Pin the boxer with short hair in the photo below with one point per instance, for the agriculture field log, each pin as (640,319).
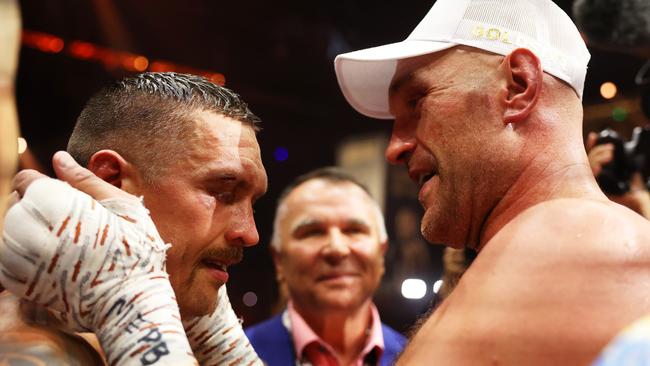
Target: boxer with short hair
(188,148)
(486,101)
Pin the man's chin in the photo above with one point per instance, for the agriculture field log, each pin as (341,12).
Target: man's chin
(196,303)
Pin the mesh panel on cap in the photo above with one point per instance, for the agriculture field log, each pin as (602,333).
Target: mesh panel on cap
(501,26)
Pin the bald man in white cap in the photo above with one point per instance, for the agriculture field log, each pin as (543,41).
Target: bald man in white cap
(486,101)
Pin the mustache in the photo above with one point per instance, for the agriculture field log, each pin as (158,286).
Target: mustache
(230,254)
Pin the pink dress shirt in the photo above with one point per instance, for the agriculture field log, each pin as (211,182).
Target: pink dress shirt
(306,342)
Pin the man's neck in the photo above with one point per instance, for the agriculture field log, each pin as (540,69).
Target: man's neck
(541,181)
(346,331)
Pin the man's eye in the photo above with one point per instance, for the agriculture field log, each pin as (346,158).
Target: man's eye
(309,233)
(354,230)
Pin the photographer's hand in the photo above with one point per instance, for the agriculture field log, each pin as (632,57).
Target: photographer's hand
(598,155)
(638,198)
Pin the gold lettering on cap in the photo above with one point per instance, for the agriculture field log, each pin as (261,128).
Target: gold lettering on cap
(478,32)
(493,34)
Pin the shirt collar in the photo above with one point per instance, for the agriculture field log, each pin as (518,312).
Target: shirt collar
(303,335)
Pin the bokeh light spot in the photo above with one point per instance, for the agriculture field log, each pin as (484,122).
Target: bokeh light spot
(619,114)
(22,145)
(281,154)
(608,90)
(249,299)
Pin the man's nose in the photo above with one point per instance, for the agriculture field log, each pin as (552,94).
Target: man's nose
(399,148)
(242,230)
(337,245)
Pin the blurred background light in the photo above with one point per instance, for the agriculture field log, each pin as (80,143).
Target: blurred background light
(608,90)
(414,288)
(281,154)
(619,114)
(436,286)
(22,145)
(249,299)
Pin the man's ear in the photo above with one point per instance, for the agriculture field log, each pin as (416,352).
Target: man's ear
(110,167)
(525,77)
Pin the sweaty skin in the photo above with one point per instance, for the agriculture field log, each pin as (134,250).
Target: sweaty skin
(232,176)
(560,269)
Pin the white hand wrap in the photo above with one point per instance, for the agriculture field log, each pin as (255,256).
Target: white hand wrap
(218,339)
(103,270)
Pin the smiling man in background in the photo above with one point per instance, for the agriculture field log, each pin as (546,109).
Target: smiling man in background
(328,246)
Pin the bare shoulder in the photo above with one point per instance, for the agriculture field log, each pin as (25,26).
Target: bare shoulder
(553,286)
(23,342)
(590,227)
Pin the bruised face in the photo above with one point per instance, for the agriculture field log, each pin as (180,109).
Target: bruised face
(331,252)
(203,206)
(449,133)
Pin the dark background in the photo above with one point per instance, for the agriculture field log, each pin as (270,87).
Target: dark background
(279,56)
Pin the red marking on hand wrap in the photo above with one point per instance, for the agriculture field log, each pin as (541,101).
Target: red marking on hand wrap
(231,347)
(77,231)
(104,234)
(170,332)
(53,263)
(77,267)
(96,239)
(31,288)
(126,246)
(95,282)
(139,350)
(129,219)
(65,301)
(209,350)
(135,298)
(135,264)
(63,225)
(152,325)
(202,337)
(154,309)
(235,362)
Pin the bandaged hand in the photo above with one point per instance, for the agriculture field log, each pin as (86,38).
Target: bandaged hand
(218,338)
(102,266)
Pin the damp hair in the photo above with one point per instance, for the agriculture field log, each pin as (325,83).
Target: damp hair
(149,118)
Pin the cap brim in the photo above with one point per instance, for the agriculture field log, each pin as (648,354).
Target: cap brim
(365,75)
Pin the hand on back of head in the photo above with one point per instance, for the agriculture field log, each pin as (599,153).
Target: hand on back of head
(100,264)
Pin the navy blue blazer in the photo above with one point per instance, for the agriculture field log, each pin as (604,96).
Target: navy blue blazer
(273,343)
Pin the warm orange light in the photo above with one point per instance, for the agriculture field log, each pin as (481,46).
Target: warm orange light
(217,78)
(608,90)
(159,66)
(82,50)
(140,63)
(56,45)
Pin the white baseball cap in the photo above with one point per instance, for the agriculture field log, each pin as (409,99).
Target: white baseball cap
(498,26)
